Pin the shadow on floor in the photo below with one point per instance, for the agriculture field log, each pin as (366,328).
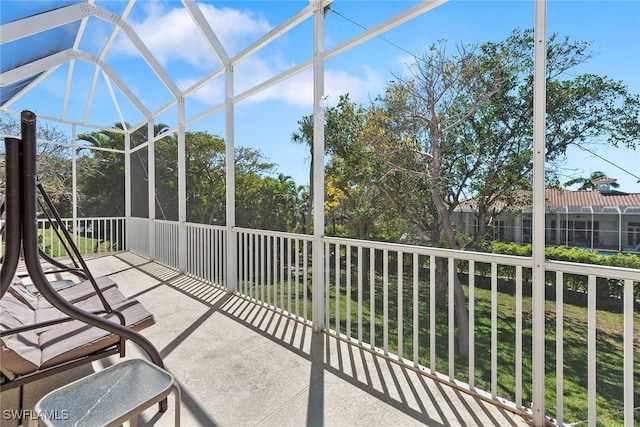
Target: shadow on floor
(410,392)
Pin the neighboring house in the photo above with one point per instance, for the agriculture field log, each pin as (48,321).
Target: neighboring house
(599,219)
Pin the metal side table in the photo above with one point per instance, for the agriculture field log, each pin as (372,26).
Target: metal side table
(109,397)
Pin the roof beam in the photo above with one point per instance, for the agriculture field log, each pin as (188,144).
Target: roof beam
(207,32)
(273,80)
(76,43)
(145,52)
(199,84)
(25,27)
(70,122)
(114,100)
(67,91)
(27,88)
(31,69)
(275,33)
(59,58)
(390,23)
(35,24)
(103,53)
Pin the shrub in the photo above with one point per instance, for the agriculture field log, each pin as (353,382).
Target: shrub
(605,287)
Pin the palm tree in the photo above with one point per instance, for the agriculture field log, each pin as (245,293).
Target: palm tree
(342,123)
(101,178)
(590,183)
(103,183)
(305,136)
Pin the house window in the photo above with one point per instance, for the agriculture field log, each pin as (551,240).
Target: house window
(475,226)
(500,230)
(526,230)
(580,231)
(567,231)
(633,233)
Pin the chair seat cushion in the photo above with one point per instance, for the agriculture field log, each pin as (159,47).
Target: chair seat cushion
(19,353)
(20,291)
(76,339)
(48,346)
(79,292)
(90,304)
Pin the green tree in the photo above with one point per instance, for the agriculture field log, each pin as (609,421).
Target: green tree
(279,203)
(352,168)
(589,183)
(166,176)
(101,177)
(463,122)
(349,168)
(205,161)
(304,135)
(264,201)
(53,161)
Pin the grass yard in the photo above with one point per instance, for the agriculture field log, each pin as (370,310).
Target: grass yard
(609,354)
(50,242)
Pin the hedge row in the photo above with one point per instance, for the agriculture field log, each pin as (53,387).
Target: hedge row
(562,253)
(605,287)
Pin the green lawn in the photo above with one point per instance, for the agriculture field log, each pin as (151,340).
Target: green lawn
(609,355)
(50,242)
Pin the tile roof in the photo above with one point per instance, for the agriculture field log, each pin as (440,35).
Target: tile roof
(557,198)
(561,198)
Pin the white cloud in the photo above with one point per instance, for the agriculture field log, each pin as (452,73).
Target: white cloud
(297,90)
(171,34)
(360,88)
(405,63)
(210,94)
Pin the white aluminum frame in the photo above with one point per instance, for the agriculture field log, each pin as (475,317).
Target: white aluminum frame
(316,8)
(538,217)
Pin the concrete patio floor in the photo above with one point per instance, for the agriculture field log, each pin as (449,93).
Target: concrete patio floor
(241,364)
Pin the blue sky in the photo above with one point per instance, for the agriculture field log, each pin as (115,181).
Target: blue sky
(267,120)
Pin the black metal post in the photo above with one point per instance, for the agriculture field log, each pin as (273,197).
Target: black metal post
(13,230)
(28,183)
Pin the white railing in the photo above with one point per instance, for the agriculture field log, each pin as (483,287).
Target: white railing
(208,242)
(275,268)
(166,243)
(91,235)
(621,362)
(138,232)
(382,296)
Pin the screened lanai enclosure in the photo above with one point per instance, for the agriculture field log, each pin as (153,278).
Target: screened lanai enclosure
(212,138)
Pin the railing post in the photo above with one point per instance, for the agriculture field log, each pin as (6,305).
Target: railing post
(538,222)
(182,190)
(74,182)
(628,342)
(151,172)
(231,264)
(127,190)
(318,165)
(619,229)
